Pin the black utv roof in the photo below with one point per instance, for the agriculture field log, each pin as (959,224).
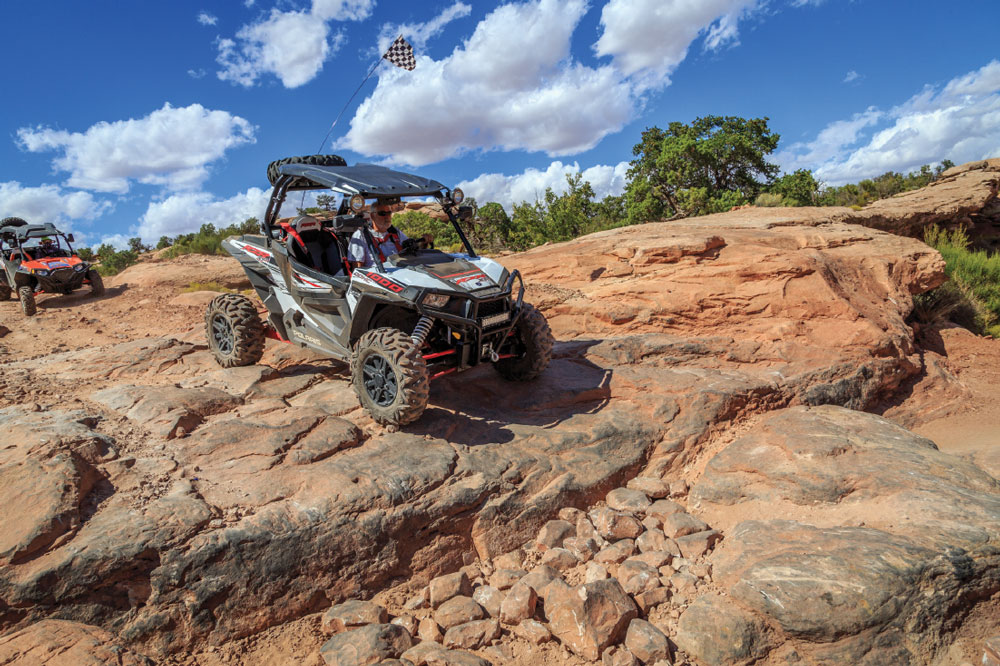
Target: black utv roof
(368,180)
(30,230)
(37,231)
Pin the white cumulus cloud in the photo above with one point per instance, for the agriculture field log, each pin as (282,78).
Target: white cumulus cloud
(648,39)
(342,10)
(171,147)
(418,34)
(513,85)
(530,185)
(851,76)
(205,18)
(291,45)
(959,121)
(50,203)
(185,212)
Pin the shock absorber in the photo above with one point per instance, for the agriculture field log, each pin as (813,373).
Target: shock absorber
(421,330)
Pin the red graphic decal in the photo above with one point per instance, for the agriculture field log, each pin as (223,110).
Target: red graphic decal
(266,256)
(308,282)
(471,277)
(444,277)
(383,281)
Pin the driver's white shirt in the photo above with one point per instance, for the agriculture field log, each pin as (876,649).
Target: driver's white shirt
(357,249)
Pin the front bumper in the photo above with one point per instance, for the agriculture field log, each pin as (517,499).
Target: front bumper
(484,328)
(61,279)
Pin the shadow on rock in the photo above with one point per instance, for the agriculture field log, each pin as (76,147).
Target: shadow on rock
(480,407)
(77,298)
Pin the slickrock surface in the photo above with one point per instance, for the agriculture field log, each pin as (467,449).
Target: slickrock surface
(191,512)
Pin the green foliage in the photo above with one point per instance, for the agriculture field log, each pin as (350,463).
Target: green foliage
(976,274)
(165,241)
(327,202)
(415,224)
(208,239)
(137,246)
(114,261)
(888,184)
(702,167)
(559,217)
(491,228)
(85,253)
(799,188)
(769,200)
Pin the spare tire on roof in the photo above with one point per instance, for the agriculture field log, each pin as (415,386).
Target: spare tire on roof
(12,222)
(315,160)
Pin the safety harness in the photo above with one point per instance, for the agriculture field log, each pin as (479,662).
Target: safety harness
(391,234)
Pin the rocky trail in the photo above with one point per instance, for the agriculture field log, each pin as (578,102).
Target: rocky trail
(742,453)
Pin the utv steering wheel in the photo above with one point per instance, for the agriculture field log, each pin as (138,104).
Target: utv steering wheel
(410,246)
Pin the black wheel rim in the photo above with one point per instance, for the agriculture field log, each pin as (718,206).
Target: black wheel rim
(222,334)
(379,380)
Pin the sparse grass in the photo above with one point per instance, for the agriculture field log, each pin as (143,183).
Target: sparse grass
(207,286)
(976,278)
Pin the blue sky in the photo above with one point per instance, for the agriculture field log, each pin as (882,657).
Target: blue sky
(144,118)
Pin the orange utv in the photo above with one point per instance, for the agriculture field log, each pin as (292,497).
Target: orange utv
(39,259)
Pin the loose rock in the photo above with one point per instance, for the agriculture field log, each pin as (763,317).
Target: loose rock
(458,610)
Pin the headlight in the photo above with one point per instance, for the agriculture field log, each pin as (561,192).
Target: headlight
(40,271)
(79,267)
(436,300)
(357,203)
(458,196)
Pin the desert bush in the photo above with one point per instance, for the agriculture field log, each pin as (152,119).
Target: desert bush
(769,200)
(208,239)
(976,273)
(114,261)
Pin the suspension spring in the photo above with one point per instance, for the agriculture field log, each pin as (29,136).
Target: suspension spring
(421,330)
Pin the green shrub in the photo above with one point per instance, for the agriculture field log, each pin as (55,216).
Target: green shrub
(114,261)
(415,224)
(208,239)
(976,273)
(769,200)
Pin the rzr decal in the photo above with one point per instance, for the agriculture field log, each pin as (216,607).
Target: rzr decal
(382,281)
(262,256)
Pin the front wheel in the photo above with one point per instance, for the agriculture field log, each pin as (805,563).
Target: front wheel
(234,330)
(533,347)
(96,283)
(27,297)
(390,376)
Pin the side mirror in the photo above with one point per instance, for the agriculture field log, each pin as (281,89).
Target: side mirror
(70,238)
(465,213)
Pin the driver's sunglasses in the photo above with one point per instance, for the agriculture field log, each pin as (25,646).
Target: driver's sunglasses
(382,213)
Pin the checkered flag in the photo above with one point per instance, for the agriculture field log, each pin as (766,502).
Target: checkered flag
(400,54)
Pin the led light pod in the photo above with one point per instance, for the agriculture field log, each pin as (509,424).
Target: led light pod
(357,203)
(457,195)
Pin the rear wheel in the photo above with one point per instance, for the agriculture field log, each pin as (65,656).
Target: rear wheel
(27,296)
(96,283)
(390,376)
(534,338)
(234,330)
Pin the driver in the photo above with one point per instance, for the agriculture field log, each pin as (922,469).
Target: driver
(388,239)
(48,248)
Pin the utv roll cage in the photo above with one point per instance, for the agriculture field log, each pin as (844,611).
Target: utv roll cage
(368,180)
(17,235)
